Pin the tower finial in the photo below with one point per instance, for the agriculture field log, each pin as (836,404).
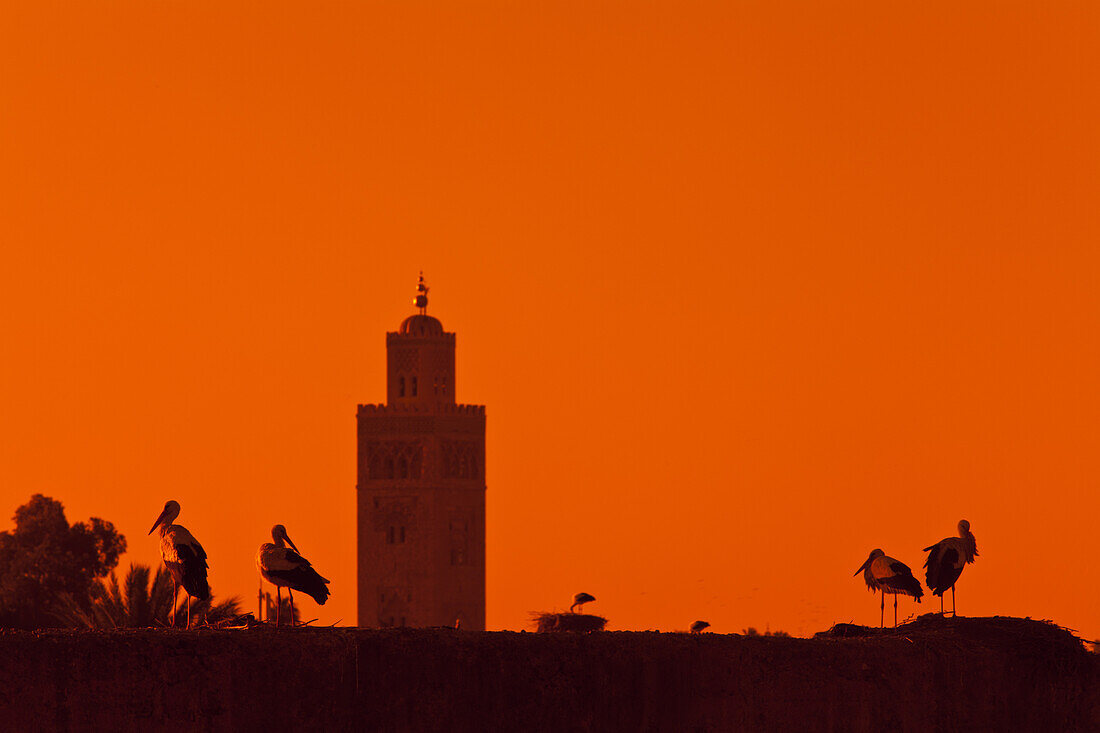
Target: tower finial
(421,299)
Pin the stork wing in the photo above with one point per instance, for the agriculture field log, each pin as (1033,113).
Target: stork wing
(191,553)
(934,552)
(901,568)
(293,557)
(200,553)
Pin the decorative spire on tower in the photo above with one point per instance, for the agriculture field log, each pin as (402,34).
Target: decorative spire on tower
(421,299)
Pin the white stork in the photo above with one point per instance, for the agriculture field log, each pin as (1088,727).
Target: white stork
(946,560)
(698,626)
(580,599)
(184,558)
(285,567)
(883,573)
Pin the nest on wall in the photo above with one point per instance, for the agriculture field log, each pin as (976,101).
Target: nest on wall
(581,623)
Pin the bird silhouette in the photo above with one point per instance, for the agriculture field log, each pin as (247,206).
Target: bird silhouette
(580,599)
(885,574)
(946,560)
(284,567)
(183,556)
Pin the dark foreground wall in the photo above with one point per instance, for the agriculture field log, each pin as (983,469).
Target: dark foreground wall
(966,674)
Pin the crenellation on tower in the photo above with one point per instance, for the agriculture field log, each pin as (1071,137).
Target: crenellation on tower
(378,408)
(421,487)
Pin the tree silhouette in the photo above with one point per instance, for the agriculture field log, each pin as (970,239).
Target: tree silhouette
(44,560)
(137,602)
(751,631)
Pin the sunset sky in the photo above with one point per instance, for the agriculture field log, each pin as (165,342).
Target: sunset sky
(748,288)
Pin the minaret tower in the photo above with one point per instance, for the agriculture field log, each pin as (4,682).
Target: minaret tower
(421,487)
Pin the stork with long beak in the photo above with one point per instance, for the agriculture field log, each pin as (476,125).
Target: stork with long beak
(883,573)
(283,567)
(184,558)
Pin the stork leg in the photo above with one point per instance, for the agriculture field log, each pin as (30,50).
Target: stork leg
(175,592)
(941,604)
(278,604)
(188,609)
(291,594)
(895,610)
(882,611)
(953,614)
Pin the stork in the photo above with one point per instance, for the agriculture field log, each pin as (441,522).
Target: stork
(184,558)
(580,599)
(698,626)
(285,567)
(883,573)
(946,560)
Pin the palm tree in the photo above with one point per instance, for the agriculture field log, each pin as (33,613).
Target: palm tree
(283,612)
(138,603)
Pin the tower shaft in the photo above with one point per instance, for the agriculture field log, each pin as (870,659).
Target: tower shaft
(421,490)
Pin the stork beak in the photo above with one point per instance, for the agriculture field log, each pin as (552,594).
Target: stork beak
(290,542)
(861,568)
(159,520)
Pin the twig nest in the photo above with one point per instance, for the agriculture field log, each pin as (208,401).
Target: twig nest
(581,623)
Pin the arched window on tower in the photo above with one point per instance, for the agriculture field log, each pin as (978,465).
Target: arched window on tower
(400,386)
(387,467)
(414,386)
(443,385)
(402,467)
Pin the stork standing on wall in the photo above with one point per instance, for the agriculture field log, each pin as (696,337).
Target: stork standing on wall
(184,558)
(283,567)
(580,599)
(946,560)
(883,573)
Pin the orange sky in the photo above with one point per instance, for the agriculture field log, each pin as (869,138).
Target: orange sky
(748,288)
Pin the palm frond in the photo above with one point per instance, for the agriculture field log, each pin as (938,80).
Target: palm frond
(138,602)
